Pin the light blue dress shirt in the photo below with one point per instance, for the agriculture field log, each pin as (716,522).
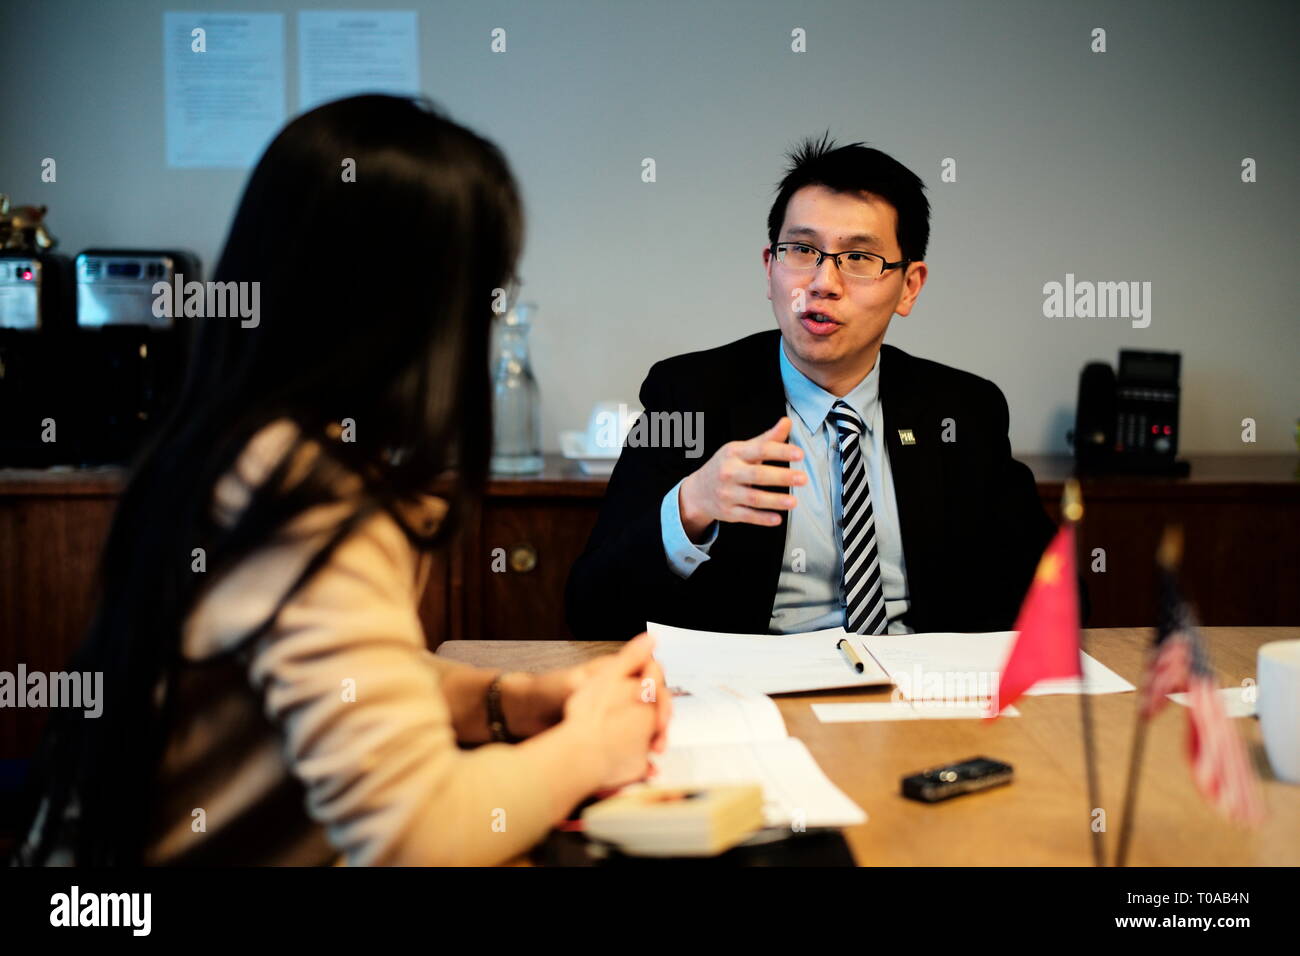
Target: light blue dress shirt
(810,591)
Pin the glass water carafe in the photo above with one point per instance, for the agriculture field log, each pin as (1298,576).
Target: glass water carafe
(516,401)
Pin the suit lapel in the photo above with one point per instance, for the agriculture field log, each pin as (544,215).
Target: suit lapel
(915,466)
(759,550)
(758,409)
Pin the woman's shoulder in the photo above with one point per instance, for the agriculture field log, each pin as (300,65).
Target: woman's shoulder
(265,450)
(377,551)
(255,463)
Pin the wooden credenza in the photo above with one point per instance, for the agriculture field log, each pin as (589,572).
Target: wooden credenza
(1240,515)
(1241,519)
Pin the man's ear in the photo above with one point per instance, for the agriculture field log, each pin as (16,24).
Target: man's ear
(913,280)
(767,268)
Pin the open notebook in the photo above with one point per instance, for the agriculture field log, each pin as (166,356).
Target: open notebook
(763,663)
(720,736)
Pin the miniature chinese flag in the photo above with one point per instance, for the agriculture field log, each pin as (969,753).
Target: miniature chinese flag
(1047,645)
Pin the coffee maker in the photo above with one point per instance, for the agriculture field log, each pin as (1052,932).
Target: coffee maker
(88,367)
(128,355)
(37,321)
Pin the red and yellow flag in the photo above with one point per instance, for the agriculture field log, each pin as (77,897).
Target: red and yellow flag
(1047,645)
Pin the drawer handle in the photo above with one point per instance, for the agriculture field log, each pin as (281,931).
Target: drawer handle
(523,558)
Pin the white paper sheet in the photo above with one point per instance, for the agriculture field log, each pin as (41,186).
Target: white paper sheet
(969,666)
(761,663)
(224,104)
(795,790)
(1235,703)
(852,713)
(717,716)
(345,52)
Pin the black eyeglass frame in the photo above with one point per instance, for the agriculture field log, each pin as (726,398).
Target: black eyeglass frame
(885,264)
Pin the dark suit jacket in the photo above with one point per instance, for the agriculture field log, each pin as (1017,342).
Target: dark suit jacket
(972,524)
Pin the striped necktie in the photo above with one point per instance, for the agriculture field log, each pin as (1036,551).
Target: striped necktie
(864,593)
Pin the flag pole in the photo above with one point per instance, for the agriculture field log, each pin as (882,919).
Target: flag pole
(1169,555)
(1072,511)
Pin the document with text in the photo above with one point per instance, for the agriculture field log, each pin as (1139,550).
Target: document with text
(948,666)
(889,710)
(764,663)
(726,737)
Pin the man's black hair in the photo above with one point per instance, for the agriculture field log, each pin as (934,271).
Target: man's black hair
(853,168)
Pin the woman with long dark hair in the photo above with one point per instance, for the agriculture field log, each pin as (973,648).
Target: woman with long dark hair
(268,696)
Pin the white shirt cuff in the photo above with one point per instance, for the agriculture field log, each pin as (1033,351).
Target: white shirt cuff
(684,556)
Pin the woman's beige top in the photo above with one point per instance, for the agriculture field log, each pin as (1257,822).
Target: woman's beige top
(329,739)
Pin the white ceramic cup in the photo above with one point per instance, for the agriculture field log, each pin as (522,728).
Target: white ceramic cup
(607,427)
(1278,706)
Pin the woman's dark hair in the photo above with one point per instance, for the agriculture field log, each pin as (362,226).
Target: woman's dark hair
(855,168)
(379,232)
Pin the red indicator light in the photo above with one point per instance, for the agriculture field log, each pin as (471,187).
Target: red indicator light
(25,275)
(1155,429)
(1169,430)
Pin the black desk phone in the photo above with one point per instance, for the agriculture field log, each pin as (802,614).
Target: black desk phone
(1128,423)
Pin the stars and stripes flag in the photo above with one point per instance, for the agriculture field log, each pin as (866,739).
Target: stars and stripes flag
(1180,662)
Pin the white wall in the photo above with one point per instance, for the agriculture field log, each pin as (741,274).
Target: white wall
(1115,166)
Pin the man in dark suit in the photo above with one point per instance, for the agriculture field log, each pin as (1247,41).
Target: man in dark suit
(883,499)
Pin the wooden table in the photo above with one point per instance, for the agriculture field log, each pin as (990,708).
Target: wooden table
(1042,819)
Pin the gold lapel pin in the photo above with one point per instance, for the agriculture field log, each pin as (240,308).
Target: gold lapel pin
(906,437)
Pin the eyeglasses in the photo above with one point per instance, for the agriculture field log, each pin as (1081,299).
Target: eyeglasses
(802,257)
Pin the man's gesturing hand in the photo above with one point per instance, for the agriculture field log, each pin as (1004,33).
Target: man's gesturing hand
(722,489)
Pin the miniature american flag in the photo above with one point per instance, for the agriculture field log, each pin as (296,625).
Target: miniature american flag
(1181,662)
